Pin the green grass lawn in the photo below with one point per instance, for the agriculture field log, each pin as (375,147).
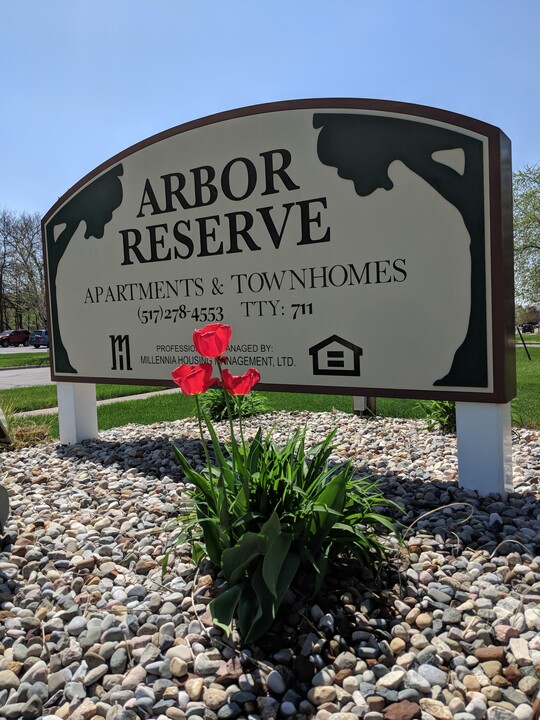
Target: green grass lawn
(525,407)
(38,397)
(529,338)
(23,358)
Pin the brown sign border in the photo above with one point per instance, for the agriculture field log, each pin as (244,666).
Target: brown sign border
(501,242)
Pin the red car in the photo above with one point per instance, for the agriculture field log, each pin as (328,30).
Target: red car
(14,337)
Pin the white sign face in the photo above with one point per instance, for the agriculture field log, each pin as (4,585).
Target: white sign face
(350,249)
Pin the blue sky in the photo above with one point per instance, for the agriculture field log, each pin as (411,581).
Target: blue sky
(84,79)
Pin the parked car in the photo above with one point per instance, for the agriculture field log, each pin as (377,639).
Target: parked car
(14,337)
(38,338)
(528,328)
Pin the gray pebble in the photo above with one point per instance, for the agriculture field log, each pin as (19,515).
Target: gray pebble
(77,625)
(74,691)
(276,683)
(287,709)
(433,675)
(118,661)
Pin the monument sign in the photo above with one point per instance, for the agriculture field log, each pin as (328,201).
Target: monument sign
(355,246)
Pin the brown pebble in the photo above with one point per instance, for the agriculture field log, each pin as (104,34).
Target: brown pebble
(397,645)
(174,713)
(170,693)
(14,666)
(512,674)
(471,682)
(206,618)
(205,581)
(214,698)
(492,652)
(503,633)
(492,668)
(500,681)
(375,703)
(404,710)
(342,674)
(320,695)
(492,693)
(334,648)
(435,708)
(19,550)
(81,563)
(412,615)
(423,621)
(144,566)
(229,672)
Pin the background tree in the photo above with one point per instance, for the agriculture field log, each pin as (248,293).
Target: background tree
(527,233)
(22,287)
(527,314)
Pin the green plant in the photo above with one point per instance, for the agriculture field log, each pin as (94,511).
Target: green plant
(5,421)
(272,516)
(214,404)
(17,435)
(440,415)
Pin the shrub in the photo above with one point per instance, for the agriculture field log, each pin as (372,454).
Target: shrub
(214,404)
(440,415)
(21,432)
(5,419)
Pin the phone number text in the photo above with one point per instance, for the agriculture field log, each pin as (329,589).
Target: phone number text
(177,314)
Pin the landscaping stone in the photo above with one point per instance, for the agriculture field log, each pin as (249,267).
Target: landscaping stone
(91,629)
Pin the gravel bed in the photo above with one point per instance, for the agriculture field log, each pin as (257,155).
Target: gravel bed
(91,629)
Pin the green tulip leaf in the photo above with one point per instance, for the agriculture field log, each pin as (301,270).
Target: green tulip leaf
(200,482)
(212,539)
(249,611)
(273,561)
(255,625)
(236,560)
(223,607)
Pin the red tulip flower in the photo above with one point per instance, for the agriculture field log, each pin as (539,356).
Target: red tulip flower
(212,340)
(194,379)
(240,384)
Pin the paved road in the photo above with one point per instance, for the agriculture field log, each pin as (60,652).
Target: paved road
(18,377)
(24,377)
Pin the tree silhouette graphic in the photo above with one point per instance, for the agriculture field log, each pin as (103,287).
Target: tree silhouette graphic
(362,147)
(94,205)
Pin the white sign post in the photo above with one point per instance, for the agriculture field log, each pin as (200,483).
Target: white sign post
(355,246)
(484,442)
(77,412)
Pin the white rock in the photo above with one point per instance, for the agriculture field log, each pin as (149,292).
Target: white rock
(392,680)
